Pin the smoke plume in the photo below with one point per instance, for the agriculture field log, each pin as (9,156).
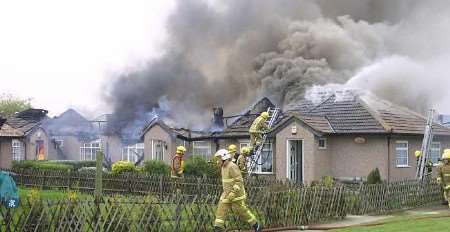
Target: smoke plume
(230,53)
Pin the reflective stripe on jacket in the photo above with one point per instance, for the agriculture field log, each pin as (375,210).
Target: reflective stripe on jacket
(233,184)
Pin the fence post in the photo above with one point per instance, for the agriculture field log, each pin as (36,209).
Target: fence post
(161,191)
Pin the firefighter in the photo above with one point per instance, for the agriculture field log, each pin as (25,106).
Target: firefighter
(258,128)
(242,160)
(443,176)
(232,149)
(233,196)
(178,163)
(428,164)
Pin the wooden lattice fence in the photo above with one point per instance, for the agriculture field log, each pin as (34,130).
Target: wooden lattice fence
(172,212)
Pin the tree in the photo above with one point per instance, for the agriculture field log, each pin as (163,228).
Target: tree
(10,104)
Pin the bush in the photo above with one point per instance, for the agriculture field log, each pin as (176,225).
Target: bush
(156,167)
(121,167)
(52,164)
(374,177)
(198,166)
(42,165)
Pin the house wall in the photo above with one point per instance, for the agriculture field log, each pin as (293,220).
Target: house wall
(113,145)
(414,143)
(351,159)
(280,152)
(322,159)
(30,145)
(5,152)
(158,133)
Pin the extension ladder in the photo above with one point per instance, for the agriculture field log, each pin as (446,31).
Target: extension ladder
(273,116)
(426,146)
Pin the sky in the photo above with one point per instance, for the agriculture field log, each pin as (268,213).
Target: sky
(61,53)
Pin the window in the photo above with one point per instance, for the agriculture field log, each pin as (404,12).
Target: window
(89,150)
(322,143)
(59,143)
(133,152)
(202,148)
(265,159)
(401,153)
(435,152)
(158,147)
(17,150)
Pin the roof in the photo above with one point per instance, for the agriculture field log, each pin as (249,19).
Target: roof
(241,125)
(352,112)
(69,123)
(8,131)
(27,120)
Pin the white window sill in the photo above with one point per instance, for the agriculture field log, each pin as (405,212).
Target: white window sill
(262,173)
(322,148)
(403,166)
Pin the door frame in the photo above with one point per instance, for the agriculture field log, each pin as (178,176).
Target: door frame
(303,158)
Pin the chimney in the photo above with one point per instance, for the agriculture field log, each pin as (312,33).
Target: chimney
(218,118)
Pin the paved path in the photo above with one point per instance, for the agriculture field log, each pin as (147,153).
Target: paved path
(352,220)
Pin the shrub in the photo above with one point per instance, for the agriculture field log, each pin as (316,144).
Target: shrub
(52,164)
(156,167)
(121,167)
(198,166)
(328,181)
(374,177)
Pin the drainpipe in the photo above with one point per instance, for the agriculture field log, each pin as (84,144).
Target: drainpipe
(389,157)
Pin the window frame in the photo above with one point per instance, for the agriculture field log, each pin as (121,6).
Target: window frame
(438,152)
(208,154)
(154,155)
(127,152)
(325,142)
(91,148)
(20,147)
(402,149)
(259,167)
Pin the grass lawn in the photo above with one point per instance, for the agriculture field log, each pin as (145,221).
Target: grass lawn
(46,194)
(407,223)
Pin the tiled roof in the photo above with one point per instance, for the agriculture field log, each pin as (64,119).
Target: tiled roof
(27,120)
(8,131)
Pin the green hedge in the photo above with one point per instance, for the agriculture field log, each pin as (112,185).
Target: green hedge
(199,166)
(52,165)
(156,168)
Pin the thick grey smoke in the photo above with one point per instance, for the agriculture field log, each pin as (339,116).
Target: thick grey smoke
(231,52)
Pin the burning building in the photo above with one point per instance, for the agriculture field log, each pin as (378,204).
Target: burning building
(345,135)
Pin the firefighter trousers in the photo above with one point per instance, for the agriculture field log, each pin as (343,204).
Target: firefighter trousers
(238,207)
(447,196)
(255,139)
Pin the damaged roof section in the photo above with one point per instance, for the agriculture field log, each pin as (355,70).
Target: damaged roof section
(7,131)
(27,120)
(71,123)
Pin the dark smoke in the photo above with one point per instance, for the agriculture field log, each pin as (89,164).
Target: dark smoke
(231,52)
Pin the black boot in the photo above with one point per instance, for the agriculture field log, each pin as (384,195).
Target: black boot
(218,229)
(257,227)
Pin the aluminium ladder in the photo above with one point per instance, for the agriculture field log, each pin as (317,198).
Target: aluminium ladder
(273,116)
(426,147)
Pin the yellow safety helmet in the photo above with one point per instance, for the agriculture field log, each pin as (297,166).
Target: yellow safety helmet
(265,115)
(232,148)
(418,154)
(446,154)
(181,150)
(245,151)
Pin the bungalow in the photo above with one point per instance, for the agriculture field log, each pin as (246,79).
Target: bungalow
(344,135)
(22,138)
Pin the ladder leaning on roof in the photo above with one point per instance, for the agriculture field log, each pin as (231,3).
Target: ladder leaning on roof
(426,147)
(273,116)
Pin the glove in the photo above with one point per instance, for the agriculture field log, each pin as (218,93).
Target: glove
(231,196)
(439,180)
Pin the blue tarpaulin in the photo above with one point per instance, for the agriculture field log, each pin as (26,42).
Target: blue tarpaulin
(9,195)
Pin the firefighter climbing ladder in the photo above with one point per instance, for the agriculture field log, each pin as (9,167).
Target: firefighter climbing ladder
(426,146)
(273,115)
